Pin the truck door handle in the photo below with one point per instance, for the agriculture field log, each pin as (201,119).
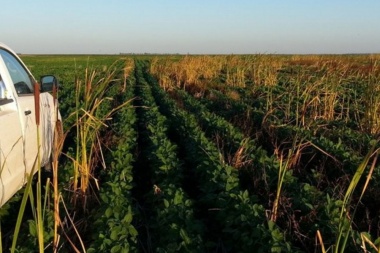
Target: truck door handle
(28,112)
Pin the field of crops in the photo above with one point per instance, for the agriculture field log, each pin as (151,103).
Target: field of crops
(256,153)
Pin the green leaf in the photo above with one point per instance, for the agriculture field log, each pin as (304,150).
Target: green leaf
(271,225)
(184,236)
(178,197)
(116,249)
(108,212)
(132,231)
(245,195)
(32,228)
(377,241)
(128,218)
(114,235)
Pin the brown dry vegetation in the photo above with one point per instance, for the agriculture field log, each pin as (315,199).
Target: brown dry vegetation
(320,81)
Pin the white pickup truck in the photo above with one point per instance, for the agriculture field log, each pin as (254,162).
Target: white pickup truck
(25,109)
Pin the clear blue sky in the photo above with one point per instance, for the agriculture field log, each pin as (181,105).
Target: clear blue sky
(191,26)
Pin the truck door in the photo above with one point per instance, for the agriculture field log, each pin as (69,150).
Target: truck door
(11,146)
(20,123)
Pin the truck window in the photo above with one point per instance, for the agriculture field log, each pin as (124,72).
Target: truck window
(20,77)
(2,89)
(3,93)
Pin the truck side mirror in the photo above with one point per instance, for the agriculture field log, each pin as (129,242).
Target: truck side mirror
(48,83)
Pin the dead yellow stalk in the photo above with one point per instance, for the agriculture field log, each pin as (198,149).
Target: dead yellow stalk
(320,240)
(58,141)
(129,66)
(57,149)
(285,164)
(283,168)
(366,240)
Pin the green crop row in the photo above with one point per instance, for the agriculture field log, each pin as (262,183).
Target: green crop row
(170,219)
(112,228)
